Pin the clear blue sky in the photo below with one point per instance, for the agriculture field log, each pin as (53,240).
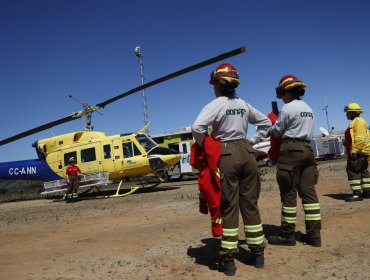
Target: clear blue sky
(50,49)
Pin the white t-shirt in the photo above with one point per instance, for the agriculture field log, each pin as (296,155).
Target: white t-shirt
(296,120)
(229,120)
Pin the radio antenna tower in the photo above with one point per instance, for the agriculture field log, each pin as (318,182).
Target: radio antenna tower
(327,117)
(139,55)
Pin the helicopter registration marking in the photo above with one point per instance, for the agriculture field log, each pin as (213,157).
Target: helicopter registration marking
(22,171)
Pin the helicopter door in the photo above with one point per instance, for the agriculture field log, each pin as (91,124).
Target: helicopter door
(107,161)
(134,163)
(90,158)
(184,149)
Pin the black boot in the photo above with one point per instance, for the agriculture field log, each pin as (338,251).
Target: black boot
(313,241)
(355,197)
(257,259)
(74,198)
(366,194)
(283,239)
(228,268)
(68,198)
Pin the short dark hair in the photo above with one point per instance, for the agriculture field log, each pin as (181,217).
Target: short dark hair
(228,89)
(296,91)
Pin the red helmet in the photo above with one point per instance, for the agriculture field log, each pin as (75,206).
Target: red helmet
(225,72)
(288,82)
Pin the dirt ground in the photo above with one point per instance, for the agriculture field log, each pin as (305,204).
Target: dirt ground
(161,235)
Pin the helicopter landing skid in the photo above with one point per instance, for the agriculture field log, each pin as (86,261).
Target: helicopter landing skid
(150,187)
(117,194)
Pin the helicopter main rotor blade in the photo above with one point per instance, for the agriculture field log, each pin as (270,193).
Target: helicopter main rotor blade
(173,75)
(90,110)
(41,128)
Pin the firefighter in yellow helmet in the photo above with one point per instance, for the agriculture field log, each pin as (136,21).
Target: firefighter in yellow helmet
(296,168)
(357,141)
(229,116)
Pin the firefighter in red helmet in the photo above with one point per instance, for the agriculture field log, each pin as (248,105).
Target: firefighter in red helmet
(228,116)
(225,73)
(296,168)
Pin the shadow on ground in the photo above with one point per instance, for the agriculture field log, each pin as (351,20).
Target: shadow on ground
(338,196)
(207,254)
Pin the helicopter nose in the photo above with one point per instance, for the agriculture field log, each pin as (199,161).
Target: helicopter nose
(171,159)
(160,158)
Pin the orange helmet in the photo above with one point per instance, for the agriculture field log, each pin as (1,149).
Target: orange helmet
(225,73)
(288,82)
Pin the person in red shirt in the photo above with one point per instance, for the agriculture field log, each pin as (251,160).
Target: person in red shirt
(72,172)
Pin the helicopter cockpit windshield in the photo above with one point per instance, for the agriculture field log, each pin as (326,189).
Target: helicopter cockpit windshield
(146,142)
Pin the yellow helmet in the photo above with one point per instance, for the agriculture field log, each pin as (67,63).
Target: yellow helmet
(72,159)
(353,107)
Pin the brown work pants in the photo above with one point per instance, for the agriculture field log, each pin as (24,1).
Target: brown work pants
(297,173)
(358,174)
(73,183)
(240,191)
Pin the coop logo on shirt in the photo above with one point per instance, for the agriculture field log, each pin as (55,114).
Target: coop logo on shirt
(306,115)
(233,112)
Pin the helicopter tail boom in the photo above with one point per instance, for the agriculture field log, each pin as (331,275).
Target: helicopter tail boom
(33,169)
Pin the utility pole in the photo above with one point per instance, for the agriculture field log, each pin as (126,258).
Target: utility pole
(327,117)
(139,55)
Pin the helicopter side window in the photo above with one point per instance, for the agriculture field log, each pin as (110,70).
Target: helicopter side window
(130,150)
(88,155)
(107,151)
(136,150)
(67,156)
(127,149)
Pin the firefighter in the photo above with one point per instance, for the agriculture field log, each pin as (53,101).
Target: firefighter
(228,116)
(72,172)
(357,141)
(296,167)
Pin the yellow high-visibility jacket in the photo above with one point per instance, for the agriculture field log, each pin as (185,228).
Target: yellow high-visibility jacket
(360,136)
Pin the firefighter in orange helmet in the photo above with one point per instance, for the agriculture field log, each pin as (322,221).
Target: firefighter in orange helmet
(357,141)
(296,167)
(228,116)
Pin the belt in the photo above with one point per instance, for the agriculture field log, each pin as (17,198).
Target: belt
(295,140)
(234,140)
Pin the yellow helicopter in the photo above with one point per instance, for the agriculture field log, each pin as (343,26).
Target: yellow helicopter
(100,157)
